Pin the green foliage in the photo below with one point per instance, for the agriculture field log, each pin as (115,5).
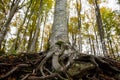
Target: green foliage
(73,25)
(110,24)
(110,21)
(47,5)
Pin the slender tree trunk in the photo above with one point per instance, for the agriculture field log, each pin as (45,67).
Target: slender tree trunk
(100,28)
(30,39)
(93,46)
(116,47)
(112,49)
(73,36)
(17,40)
(6,25)
(79,24)
(97,44)
(42,37)
(23,42)
(91,50)
(31,31)
(37,31)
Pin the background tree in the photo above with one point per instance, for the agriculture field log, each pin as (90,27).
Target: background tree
(100,27)
(4,27)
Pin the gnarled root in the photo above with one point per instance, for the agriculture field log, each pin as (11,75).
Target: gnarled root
(40,66)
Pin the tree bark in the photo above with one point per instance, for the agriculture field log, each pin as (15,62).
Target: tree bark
(59,32)
(17,40)
(100,28)
(59,29)
(37,31)
(6,25)
(79,24)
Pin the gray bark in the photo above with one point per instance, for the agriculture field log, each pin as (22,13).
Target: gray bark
(97,44)
(79,25)
(100,28)
(59,29)
(6,25)
(16,43)
(35,37)
(42,36)
(59,32)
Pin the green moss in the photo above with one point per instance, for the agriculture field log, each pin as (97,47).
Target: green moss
(59,43)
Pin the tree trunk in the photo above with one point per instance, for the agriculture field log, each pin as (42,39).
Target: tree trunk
(59,29)
(35,37)
(100,28)
(58,37)
(97,44)
(93,46)
(6,25)
(83,67)
(42,35)
(79,24)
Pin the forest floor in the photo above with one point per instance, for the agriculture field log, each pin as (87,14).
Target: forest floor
(86,67)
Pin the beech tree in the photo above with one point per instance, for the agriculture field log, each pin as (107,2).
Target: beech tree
(61,60)
(100,27)
(59,46)
(59,35)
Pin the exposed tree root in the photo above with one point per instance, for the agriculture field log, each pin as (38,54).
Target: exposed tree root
(40,67)
(43,77)
(25,77)
(13,70)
